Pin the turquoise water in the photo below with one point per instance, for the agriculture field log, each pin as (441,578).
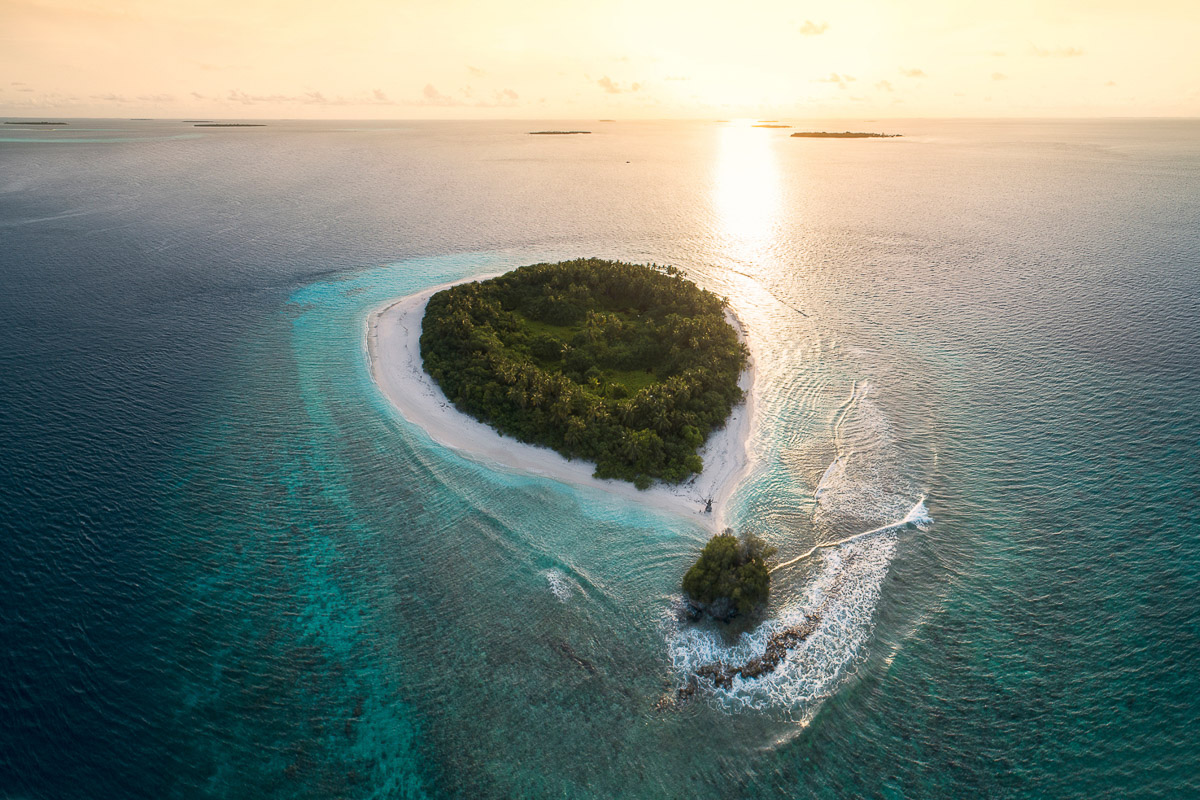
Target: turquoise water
(237,572)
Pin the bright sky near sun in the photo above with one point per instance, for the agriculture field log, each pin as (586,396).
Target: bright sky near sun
(627,58)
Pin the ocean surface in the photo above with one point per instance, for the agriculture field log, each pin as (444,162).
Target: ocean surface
(231,570)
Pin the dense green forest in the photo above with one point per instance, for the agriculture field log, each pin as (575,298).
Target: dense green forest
(625,365)
(731,575)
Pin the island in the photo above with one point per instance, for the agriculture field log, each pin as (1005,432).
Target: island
(230,125)
(557,133)
(627,366)
(36,123)
(730,577)
(844,135)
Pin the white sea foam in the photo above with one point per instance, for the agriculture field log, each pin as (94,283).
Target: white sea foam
(866,481)
(844,594)
(832,475)
(560,584)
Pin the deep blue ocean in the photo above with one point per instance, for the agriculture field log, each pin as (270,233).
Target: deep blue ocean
(231,569)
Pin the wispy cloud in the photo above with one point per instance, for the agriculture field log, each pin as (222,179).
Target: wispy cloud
(113,97)
(840,80)
(913,72)
(999,76)
(430,96)
(885,86)
(1057,52)
(810,28)
(309,98)
(245,98)
(476,71)
(612,87)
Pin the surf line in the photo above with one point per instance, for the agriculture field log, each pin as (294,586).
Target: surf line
(917,515)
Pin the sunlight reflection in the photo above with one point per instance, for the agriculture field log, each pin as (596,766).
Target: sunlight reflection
(746,190)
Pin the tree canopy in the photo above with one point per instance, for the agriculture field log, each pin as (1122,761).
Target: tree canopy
(731,575)
(626,365)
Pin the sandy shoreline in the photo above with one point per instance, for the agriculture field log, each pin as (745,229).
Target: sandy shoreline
(393,348)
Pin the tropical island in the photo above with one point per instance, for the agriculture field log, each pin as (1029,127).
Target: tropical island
(730,577)
(559,133)
(628,366)
(844,135)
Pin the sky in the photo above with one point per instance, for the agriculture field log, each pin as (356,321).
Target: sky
(560,59)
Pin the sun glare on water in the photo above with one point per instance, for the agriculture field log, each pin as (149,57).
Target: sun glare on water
(746,190)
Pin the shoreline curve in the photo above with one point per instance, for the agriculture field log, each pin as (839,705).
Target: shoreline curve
(393,333)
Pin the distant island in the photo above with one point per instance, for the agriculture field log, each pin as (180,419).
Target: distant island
(230,125)
(769,125)
(197,120)
(844,135)
(628,366)
(37,123)
(556,133)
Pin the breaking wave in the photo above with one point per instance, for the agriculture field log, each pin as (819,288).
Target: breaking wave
(829,623)
(560,585)
(843,595)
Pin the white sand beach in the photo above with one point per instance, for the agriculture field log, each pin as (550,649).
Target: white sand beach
(393,347)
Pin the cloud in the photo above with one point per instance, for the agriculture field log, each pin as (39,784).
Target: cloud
(506,98)
(612,87)
(999,76)
(678,78)
(238,96)
(885,86)
(840,80)
(1057,52)
(998,53)
(1111,83)
(913,72)
(430,96)
(810,28)
(110,97)
(309,98)
(476,71)
(156,98)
